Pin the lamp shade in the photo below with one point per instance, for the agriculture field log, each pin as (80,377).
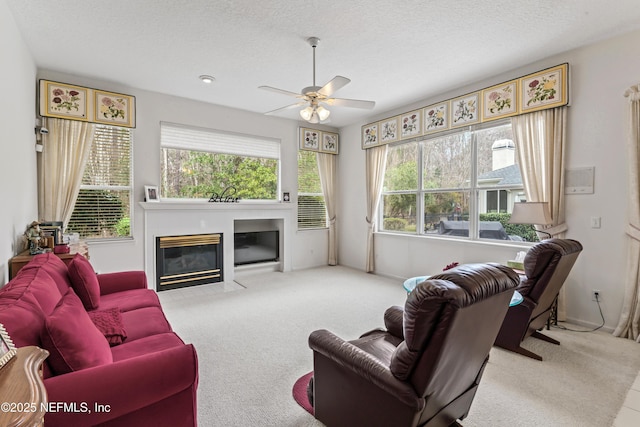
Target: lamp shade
(530,213)
(323,113)
(306,113)
(314,113)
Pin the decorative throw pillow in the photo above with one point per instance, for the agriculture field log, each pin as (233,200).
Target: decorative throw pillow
(109,323)
(85,282)
(72,340)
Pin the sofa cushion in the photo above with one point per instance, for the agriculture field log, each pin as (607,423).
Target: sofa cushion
(109,323)
(146,345)
(144,322)
(85,282)
(54,266)
(73,341)
(36,285)
(22,319)
(132,299)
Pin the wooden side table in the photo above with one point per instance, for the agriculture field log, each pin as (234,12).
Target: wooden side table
(23,398)
(20,260)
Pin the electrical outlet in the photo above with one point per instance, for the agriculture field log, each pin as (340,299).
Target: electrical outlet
(596,295)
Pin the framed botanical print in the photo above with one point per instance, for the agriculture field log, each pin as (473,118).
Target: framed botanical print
(329,142)
(309,139)
(544,89)
(436,117)
(411,124)
(63,101)
(369,135)
(500,101)
(389,130)
(465,110)
(114,109)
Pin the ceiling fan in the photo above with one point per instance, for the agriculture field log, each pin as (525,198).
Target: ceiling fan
(316,96)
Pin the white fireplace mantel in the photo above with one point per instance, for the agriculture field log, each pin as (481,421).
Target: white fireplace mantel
(171,218)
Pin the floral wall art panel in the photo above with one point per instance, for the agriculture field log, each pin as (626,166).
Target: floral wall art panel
(545,89)
(500,101)
(73,102)
(541,90)
(309,139)
(329,143)
(436,117)
(465,110)
(63,101)
(388,130)
(369,135)
(114,109)
(411,124)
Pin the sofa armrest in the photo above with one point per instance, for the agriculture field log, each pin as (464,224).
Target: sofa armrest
(393,321)
(121,281)
(363,364)
(125,386)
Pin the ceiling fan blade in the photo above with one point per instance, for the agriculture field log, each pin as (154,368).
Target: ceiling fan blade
(335,84)
(281,91)
(297,104)
(352,103)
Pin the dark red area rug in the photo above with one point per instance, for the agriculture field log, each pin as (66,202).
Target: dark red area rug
(300,392)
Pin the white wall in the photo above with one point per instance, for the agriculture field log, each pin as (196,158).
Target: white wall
(17,139)
(599,75)
(151,109)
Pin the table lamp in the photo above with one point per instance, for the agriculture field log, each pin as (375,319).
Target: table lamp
(536,213)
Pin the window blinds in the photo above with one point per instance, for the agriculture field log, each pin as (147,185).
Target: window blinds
(103,206)
(312,212)
(183,137)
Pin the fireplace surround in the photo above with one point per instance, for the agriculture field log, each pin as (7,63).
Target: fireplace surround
(188,260)
(169,218)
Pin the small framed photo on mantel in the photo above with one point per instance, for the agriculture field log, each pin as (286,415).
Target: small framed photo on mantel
(151,193)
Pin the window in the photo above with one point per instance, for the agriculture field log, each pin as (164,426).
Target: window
(462,183)
(103,207)
(198,162)
(311,208)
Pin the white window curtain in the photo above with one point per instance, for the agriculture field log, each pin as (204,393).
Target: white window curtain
(327,167)
(629,322)
(540,137)
(376,163)
(64,155)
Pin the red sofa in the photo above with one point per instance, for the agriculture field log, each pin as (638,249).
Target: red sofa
(110,345)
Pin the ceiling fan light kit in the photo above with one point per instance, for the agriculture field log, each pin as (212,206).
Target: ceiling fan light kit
(315,114)
(313,96)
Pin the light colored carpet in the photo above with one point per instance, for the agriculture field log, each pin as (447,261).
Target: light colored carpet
(252,346)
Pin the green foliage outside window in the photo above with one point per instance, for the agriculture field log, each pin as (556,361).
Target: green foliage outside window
(100,214)
(193,174)
(526,231)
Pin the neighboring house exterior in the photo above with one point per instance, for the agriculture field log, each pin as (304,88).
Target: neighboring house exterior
(504,180)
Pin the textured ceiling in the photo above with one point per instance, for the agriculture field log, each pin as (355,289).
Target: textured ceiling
(394,52)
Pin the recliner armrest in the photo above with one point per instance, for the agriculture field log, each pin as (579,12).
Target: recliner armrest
(393,320)
(365,365)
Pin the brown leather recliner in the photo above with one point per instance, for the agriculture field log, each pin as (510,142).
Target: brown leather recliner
(424,369)
(546,267)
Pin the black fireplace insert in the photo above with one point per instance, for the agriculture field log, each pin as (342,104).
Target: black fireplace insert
(188,260)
